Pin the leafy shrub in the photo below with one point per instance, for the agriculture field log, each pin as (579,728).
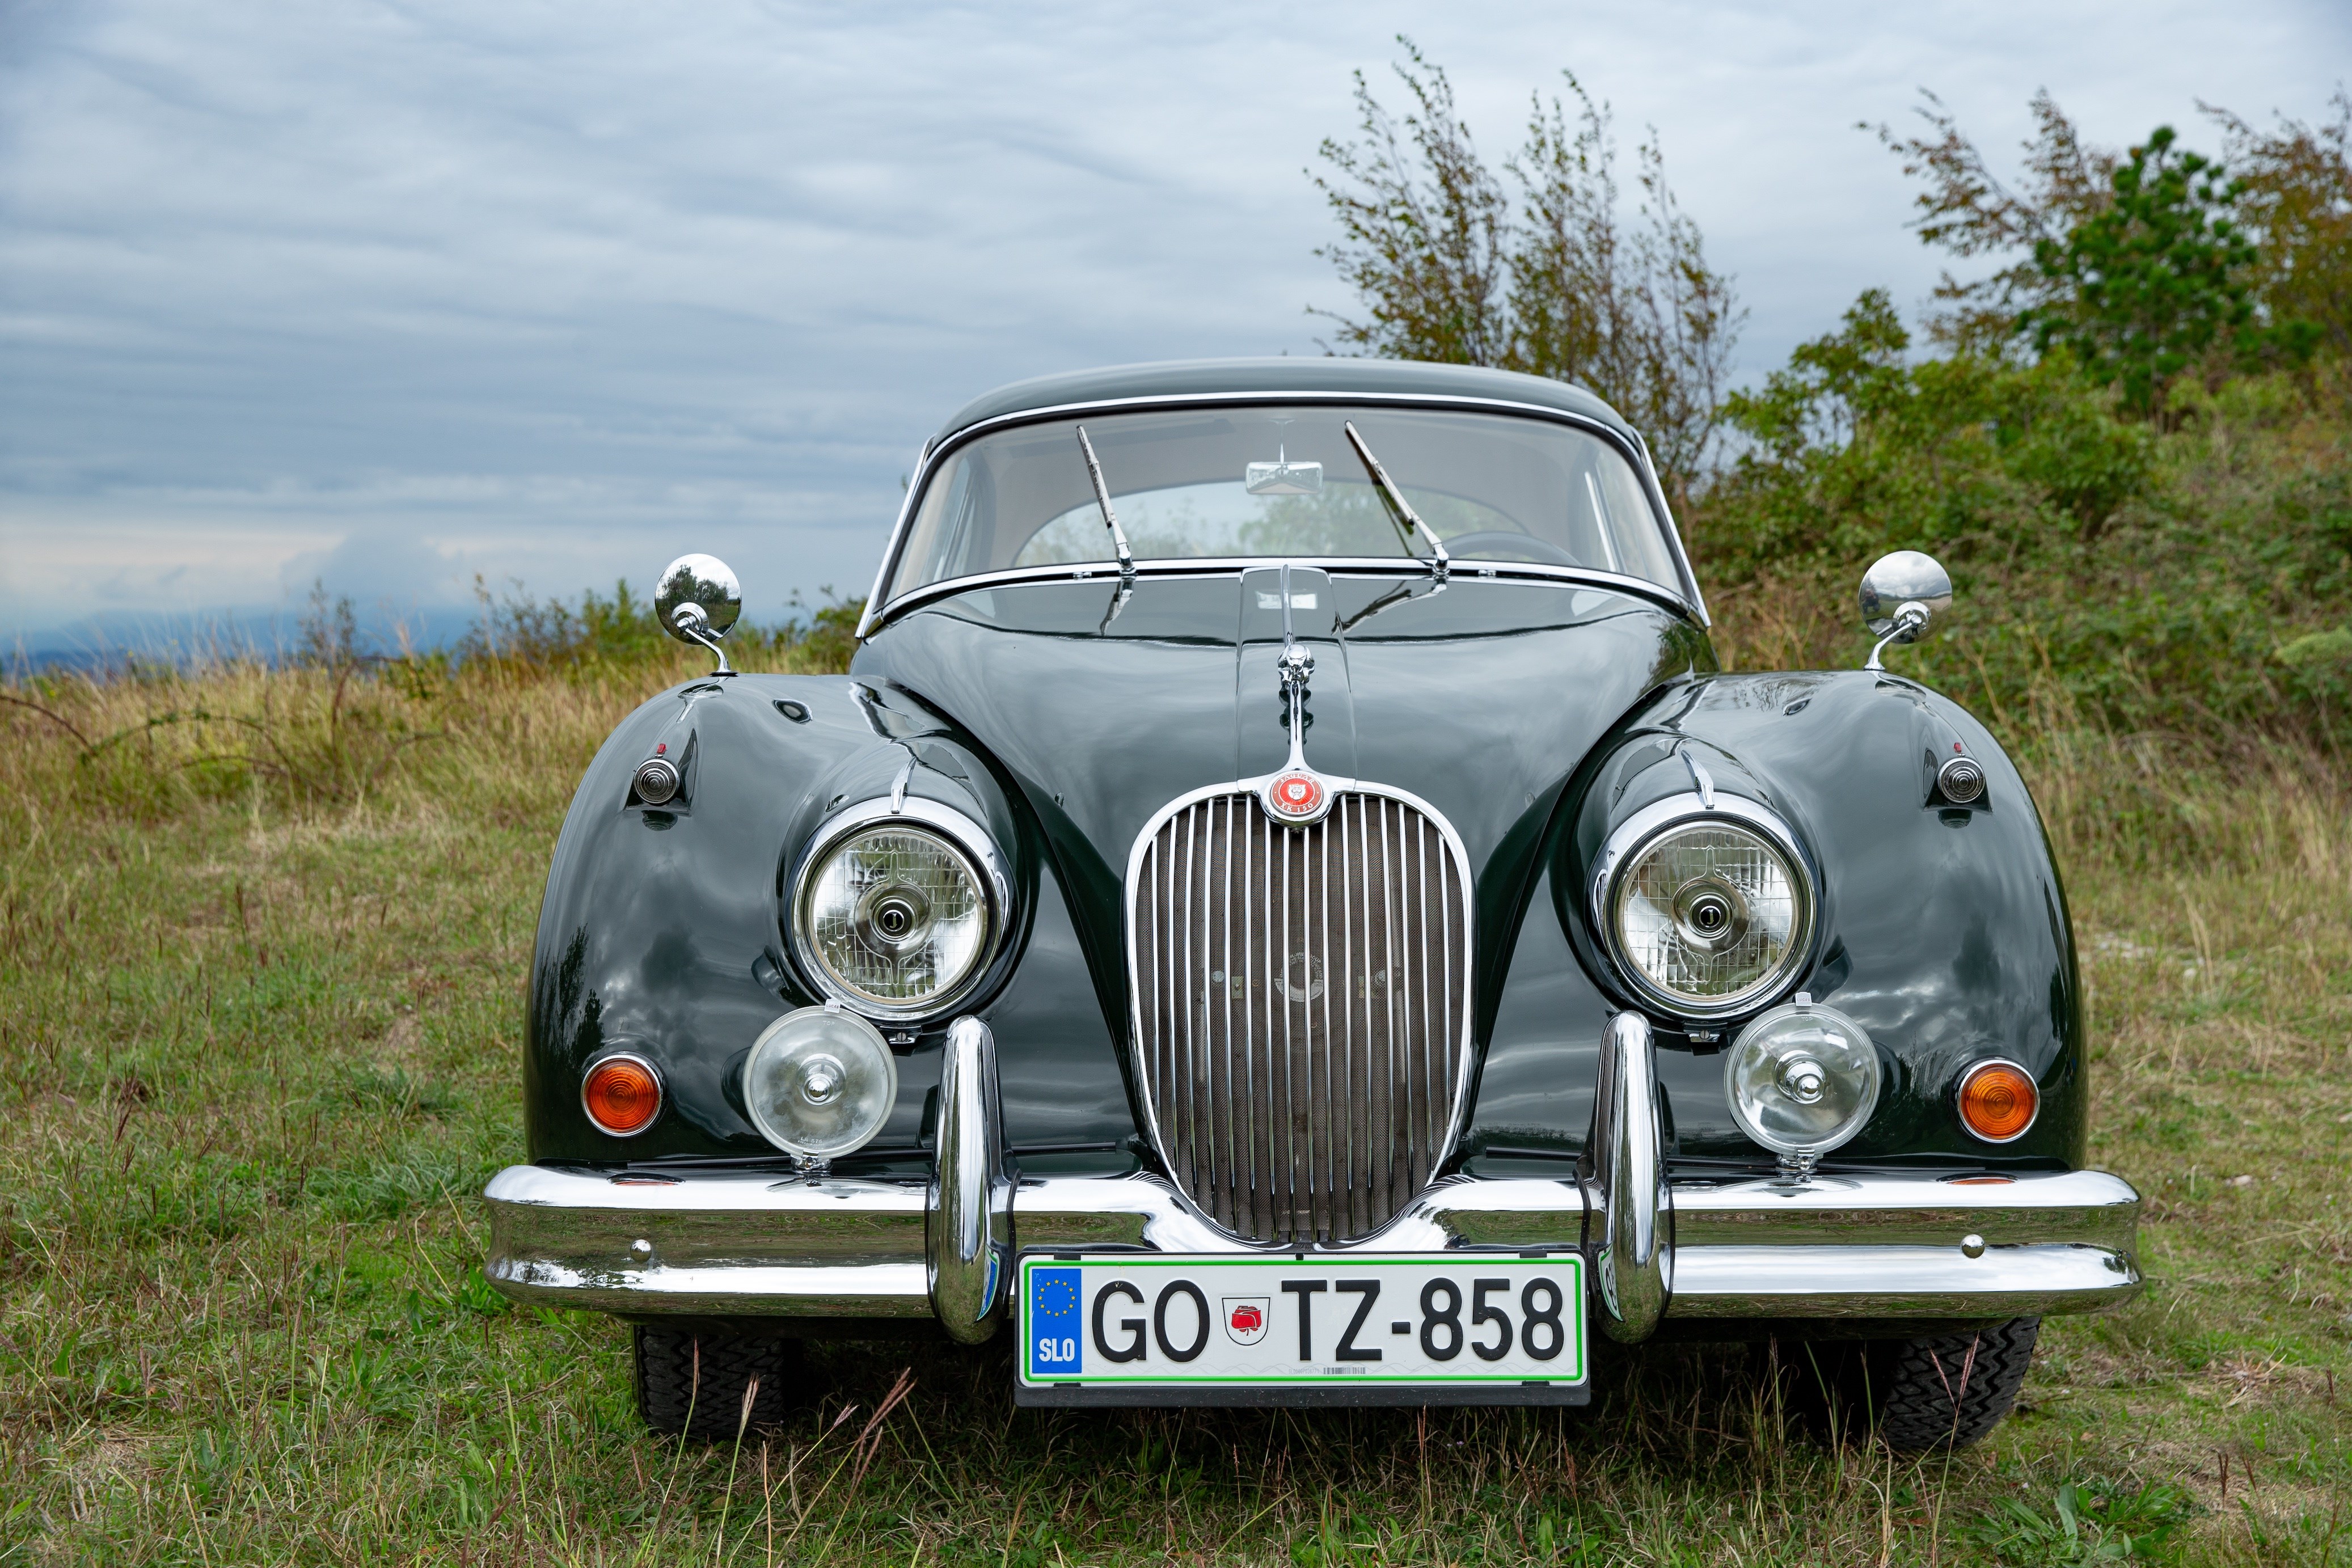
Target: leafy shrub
(2109,571)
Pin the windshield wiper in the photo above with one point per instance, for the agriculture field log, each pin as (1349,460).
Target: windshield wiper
(1407,521)
(1110,518)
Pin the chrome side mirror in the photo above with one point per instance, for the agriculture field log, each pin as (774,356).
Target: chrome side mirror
(696,601)
(1899,592)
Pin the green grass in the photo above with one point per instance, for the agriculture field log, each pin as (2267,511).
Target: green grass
(261,982)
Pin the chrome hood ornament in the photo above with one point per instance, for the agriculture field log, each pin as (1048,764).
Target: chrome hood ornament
(1294,795)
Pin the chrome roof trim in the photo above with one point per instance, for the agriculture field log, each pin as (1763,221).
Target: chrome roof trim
(936,450)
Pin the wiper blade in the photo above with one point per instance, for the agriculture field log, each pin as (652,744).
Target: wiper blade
(1110,518)
(1408,521)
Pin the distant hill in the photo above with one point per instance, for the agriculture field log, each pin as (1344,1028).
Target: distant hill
(111,641)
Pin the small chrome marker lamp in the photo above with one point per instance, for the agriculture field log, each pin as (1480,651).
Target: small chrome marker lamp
(1802,1080)
(819,1083)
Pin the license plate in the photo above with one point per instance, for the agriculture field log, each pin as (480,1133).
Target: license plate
(1453,1328)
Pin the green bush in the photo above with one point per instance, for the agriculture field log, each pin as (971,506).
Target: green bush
(2190,576)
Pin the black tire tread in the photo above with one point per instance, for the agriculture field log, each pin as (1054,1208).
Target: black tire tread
(1947,1391)
(673,1401)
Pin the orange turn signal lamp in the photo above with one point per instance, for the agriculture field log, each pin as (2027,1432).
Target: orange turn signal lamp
(622,1096)
(1999,1101)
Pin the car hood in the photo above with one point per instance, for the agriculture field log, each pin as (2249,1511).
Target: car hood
(1481,697)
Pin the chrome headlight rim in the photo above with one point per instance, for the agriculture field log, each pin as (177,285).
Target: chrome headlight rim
(966,837)
(1623,849)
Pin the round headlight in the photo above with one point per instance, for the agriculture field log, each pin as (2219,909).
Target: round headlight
(1707,912)
(820,1083)
(896,916)
(1801,1078)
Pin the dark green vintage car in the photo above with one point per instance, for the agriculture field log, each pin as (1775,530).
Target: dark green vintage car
(1285,909)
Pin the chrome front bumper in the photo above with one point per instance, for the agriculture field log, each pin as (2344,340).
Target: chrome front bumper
(1882,1246)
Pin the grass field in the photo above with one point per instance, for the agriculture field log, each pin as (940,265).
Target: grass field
(263,940)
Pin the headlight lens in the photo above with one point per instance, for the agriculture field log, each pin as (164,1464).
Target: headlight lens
(1801,1078)
(895,917)
(820,1083)
(1709,915)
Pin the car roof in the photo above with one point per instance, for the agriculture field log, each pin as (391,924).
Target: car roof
(1179,377)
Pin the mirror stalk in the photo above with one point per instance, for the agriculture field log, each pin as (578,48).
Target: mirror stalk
(1909,622)
(1899,593)
(692,621)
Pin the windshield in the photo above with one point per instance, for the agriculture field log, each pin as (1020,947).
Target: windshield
(1285,480)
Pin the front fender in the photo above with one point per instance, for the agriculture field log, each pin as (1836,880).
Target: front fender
(1943,930)
(660,930)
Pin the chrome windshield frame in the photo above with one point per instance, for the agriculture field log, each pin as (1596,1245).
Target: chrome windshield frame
(1688,601)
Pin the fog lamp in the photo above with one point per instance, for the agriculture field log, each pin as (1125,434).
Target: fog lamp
(622,1096)
(1801,1078)
(1999,1101)
(820,1083)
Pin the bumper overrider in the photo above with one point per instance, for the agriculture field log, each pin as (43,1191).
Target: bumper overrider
(1884,1246)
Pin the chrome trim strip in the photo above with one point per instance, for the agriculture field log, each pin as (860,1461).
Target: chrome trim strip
(1338,566)
(1899,1282)
(968,1254)
(1249,790)
(935,452)
(707,1243)
(1636,1264)
(1878,1245)
(1674,533)
(2086,1208)
(1148,1213)
(865,617)
(1624,844)
(995,884)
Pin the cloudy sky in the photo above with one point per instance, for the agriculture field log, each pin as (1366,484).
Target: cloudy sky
(396,292)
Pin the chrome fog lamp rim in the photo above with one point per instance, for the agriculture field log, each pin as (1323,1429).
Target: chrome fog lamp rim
(856,1039)
(962,834)
(1757,1036)
(1623,850)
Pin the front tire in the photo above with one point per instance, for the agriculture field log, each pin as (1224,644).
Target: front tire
(695,1385)
(1922,1396)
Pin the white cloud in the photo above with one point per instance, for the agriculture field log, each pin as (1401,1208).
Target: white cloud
(547,290)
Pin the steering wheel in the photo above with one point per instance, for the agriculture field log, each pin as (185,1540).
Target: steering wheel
(1510,546)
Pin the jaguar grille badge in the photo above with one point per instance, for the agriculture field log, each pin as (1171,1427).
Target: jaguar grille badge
(1297,794)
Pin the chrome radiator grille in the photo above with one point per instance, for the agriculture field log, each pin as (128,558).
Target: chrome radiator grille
(1301,1000)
